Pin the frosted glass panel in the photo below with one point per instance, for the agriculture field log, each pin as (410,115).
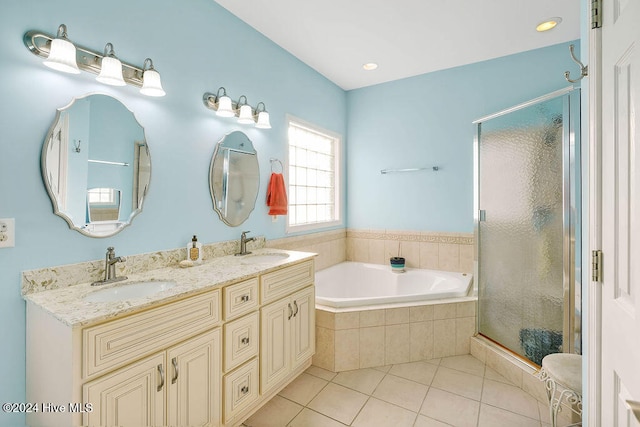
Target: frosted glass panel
(520,242)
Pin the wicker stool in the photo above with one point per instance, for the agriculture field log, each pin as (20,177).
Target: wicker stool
(562,376)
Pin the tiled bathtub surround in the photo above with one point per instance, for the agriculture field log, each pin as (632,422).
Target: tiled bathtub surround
(331,246)
(68,275)
(369,338)
(430,250)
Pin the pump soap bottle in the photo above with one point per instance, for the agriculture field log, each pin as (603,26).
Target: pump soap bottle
(194,251)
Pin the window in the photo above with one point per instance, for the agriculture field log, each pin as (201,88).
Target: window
(102,196)
(313,177)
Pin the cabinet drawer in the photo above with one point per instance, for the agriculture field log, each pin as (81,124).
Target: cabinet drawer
(240,389)
(278,284)
(116,343)
(241,340)
(240,298)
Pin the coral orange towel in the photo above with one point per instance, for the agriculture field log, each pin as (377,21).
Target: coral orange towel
(277,195)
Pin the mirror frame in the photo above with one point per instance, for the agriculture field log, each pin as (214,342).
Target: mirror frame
(211,190)
(48,186)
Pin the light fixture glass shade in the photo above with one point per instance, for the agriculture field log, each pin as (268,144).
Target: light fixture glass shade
(246,115)
(111,72)
(62,56)
(151,85)
(225,107)
(263,120)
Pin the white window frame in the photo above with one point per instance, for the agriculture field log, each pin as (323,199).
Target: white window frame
(337,176)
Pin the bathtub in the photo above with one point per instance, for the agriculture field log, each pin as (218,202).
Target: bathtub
(356,284)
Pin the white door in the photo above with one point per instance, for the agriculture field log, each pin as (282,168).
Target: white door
(620,369)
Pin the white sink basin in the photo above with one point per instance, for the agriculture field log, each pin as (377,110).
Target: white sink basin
(128,291)
(264,258)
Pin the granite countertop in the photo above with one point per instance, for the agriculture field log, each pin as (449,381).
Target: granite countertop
(67,304)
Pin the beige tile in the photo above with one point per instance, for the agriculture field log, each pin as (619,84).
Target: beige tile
(360,250)
(423,421)
(323,250)
(478,349)
(397,348)
(362,380)
(543,410)
(500,364)
(402,392)
(466,363)
(349,320)
(421,372)
(309,418)
(392,248)
(347,352)
(466,309)
(372,344)
(304,388)
(351,252)
(490,374)
(449,256)
(491,416)
(338,251)
(325,349)
(444,342)
(465,328)
(421,313)
(325,319)
(421,346)
(466,258)
(444,311)
(450,408)
(377,252)
(532,385)
(509,397)
(338,402)
(411,252)
(371,318)
(277,412)
(384,368)
(429,255)
(460,383)
(377,413)
(395,316)
(320,373)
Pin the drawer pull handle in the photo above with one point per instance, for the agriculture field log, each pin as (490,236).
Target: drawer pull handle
(290,311)
(244,298)
(174,362)
(244,389)
(295,313)
(161,370)
(245,340)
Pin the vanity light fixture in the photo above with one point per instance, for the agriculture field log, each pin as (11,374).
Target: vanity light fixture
(224,106)
(151,84)
(548,24)
(60,54)
(111,68)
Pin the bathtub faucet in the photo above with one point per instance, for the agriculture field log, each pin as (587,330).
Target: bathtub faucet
(243,243)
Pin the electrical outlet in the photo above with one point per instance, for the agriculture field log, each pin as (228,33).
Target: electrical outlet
(7,232)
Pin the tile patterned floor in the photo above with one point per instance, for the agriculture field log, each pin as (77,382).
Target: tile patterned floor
(454,391)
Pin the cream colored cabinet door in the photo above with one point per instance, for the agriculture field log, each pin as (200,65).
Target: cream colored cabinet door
(131,396)
(303,326)
(193,381)
(275,347)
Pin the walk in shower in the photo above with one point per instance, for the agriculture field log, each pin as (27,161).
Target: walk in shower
(527,226)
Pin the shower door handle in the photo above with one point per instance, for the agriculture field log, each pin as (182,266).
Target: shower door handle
(482,215)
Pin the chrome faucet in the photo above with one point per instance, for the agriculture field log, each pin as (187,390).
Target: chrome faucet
(243,243)
(110,274)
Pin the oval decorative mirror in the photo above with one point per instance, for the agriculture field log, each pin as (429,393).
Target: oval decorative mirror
(96,165)
(234,178)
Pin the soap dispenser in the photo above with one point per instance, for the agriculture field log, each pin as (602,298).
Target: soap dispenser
(194,251)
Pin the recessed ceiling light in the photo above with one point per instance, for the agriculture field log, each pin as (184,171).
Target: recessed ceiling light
(548,24)
(370,66)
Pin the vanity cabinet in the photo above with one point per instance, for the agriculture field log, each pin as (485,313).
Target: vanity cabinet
(213,358)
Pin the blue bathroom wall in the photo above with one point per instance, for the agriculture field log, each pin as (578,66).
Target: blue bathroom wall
(426,121)
(197,46)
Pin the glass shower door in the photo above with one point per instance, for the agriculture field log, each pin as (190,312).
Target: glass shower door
(524,227)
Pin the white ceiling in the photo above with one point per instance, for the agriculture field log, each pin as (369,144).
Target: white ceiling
(405,37)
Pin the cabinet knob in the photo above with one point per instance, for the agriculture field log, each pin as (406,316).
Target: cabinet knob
(244,389)
(245,340)
(244,298)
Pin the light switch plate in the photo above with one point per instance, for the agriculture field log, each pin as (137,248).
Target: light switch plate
(7,232)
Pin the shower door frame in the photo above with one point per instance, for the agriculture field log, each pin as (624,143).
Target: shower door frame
(570,137)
